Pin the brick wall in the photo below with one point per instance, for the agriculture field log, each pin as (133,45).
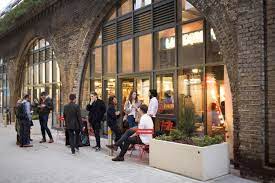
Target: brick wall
(271,79)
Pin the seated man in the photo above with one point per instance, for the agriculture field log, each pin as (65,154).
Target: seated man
(145,123)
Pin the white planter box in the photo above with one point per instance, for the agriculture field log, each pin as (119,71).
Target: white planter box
(201,163)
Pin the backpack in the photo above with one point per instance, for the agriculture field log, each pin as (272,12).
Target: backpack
(21,113)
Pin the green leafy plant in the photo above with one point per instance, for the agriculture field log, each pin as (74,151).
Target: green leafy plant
(9,19)
(207,140)
(187,120)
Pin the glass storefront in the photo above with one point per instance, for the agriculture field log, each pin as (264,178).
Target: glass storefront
(42,74)
(177,55)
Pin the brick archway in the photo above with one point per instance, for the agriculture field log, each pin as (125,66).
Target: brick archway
(221,16)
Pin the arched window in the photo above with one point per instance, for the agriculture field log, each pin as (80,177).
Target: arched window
(42,74)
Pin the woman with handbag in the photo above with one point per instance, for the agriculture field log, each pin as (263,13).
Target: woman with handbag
(130,108)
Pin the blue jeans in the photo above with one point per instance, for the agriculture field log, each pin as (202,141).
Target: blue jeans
(131,121)
(43,119)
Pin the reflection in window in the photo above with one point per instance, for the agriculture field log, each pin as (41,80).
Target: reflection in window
(190,90)
(110,58)
(111,87)
(125,8)
(192,49)
(145,52)
(215,99)
(166,52)
(141,3)
(98,87)
(212,47)
(127,56)
(165,91)
(99,40)
(189,12)
(143,87)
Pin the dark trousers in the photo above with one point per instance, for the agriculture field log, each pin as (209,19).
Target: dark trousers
(124,137)
(126,144)
(96,128)
(74,139)
(131,121)
(115,129)
(43,119)
(24,132)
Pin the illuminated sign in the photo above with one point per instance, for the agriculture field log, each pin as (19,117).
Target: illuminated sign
(187,40)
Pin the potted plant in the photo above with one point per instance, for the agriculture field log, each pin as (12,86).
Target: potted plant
(182,152)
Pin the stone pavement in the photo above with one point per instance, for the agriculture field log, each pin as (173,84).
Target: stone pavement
(53,163)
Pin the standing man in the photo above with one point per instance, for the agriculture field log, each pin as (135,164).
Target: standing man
(153,105)
(45,106)
(96,109)
(72,117)
(25,117)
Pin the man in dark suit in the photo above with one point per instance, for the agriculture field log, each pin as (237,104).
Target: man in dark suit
(96,109)
(72,117)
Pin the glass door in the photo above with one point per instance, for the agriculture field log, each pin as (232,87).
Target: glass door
(143,87)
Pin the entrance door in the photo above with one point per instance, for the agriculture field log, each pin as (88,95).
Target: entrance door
(139,84)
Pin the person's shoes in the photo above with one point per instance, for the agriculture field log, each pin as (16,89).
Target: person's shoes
(94,147)
(42,141)
(118,158)
(113,147)
(31,140)
(77,149)
(28,145)
(73,152)
(18,143)
(51,141)
(97,149)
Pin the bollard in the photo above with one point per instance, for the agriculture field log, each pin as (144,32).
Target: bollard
(110,141)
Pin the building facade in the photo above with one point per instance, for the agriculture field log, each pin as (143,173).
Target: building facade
(217,54)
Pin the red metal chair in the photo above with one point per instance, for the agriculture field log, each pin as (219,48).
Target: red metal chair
(143,148)
(61,127)
(166,126)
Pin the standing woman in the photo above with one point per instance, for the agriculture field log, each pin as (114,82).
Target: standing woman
(112,116)
(153,105)
(130,108)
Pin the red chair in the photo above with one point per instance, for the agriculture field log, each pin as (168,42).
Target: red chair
(61,127)
(143,148)
(166,126)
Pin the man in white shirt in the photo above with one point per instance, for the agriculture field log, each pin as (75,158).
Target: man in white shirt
(153,105)
(145,123)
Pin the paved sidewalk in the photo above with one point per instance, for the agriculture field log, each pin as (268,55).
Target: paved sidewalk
(53,163)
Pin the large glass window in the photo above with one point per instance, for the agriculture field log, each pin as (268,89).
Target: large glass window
(127,56)
(190,92)
(144,56)
(110,58)
(42,74)
(192,48)
(215,99)
(166,48)
(165,89)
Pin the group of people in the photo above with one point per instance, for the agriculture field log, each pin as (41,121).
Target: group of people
(136,114)
(24,110)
